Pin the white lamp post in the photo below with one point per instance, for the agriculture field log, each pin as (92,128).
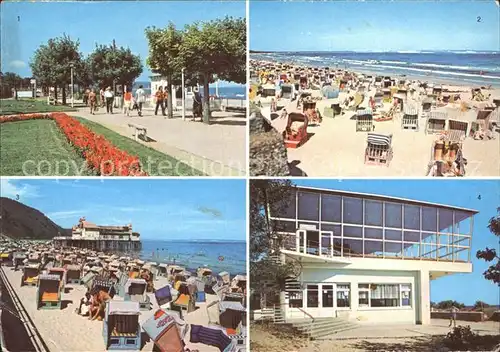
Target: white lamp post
(183,96)
(72,88)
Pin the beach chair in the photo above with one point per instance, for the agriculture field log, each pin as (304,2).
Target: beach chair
(61,273)
(447,159)
(30,274)
(121,328)
(163,295)
(135,290)
(73,274)
(103,283)
(166,330)
(457,130)
(295,133)
(378,149)
(410,118)
(364,120)
(48,295)
(231,314)
(436,122)
(18,260)
(209,336)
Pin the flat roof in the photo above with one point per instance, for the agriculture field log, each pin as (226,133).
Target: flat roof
(383,197)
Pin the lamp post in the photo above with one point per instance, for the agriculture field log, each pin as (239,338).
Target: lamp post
(72,87)
(183,96)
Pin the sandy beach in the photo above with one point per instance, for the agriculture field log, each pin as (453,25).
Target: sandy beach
(64,330)
(334,147)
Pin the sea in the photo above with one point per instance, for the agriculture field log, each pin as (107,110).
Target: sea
(458,67)
(231,92)
(218,255)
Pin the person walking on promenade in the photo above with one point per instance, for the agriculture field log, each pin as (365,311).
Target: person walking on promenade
(160,102)
(140,98)
(453,316)
(92,101)
(108,94)
(197,105)
(101,95)
(127,102)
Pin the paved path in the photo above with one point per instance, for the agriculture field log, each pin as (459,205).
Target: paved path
(218,149)
(437,327)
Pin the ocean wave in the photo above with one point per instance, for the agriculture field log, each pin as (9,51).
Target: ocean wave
(447,73)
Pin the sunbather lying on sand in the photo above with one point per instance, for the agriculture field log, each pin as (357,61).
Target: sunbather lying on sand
(98,305)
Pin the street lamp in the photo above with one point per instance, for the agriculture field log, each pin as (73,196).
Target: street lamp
(72,87)
(183,97)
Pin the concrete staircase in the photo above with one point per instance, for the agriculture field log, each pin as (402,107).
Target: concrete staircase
(322,328)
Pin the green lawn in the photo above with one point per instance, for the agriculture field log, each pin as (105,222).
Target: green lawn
(154,162)
(26,106)
(40,147)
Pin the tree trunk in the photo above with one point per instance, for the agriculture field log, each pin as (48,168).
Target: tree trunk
(206,99)
(55,94)
(64,94)
(169,97)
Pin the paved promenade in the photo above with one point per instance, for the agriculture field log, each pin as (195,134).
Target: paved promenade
(218,149)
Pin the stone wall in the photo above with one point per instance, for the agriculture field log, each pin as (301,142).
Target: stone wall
(465,316)
(268,156)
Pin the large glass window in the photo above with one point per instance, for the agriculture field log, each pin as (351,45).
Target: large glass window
(327,296)
(393,249)
(308,206)
(288,211)
(445,220)
(364,295)
(284,226)
(406,295)
(343,295)
(331,208)
(412,217)
(374,248)
(384,295)
(353,231)
(336,229)
(353,210)
(393,215)
(353,248)
(312,296)
(463,223)
(371,232)
(373,213)
(429,219)
(393,235)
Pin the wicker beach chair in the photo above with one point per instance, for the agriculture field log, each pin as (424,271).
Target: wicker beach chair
(378,149)
(436,122)
(410,118)
(295,133)
(364,121)
(457,130)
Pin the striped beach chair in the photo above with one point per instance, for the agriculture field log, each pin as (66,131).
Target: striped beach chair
(378,149)
(410,118)
(436,122)
(364,120)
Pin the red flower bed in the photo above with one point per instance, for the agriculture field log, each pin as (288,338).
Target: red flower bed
(99,153)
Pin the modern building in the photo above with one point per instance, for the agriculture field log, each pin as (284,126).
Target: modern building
(104,238)
(368,257)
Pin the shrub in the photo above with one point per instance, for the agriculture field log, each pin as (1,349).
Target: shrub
(461,337)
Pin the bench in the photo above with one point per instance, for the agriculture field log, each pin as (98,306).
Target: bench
(51,100)
(139,131)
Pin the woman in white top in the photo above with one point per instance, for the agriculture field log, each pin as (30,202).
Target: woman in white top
(140,98)
(108,95)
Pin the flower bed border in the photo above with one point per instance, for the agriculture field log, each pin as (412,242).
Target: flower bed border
(98,152)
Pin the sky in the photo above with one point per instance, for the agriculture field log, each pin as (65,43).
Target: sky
(480,195)
(159,209)
(365,26)
(25,25)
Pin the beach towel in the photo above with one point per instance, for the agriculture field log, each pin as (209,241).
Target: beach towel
(211,337)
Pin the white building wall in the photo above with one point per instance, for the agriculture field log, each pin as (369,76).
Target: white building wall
(355,312)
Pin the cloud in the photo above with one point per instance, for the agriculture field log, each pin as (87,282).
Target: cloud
(17,190)
(210,211)
(17,64)
(59,215)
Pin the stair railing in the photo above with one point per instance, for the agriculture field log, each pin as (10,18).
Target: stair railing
(310,327)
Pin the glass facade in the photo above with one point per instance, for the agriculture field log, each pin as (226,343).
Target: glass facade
(330,225)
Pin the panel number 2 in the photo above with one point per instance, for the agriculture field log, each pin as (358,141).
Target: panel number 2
(478,18)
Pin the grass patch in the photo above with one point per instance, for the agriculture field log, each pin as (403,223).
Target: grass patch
(27,106)
(41,147)
(154,162)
